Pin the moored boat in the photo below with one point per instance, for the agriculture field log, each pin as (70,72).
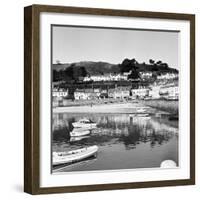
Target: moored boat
(84,123)
(74,155)
(77,132)
(143,115)
(74,138)
(141,110)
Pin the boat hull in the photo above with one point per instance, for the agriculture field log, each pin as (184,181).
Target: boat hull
(75,138)
(79,133)
(81,125)
(74,156)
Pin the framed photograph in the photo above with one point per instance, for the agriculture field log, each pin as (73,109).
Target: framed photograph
(109,99)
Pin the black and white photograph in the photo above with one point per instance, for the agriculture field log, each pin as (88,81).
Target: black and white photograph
(114,98)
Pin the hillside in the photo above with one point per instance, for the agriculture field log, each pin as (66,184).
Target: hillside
(93,68)
(74,71)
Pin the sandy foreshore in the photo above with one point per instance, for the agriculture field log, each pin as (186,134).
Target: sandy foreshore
(106,108)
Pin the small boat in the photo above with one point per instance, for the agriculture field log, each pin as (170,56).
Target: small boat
(172,98)
(84,123)
(77,132)
(69,157)
(142,115)
(74,138)
(141,110)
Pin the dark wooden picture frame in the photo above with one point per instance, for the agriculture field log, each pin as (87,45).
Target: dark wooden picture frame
(32,94)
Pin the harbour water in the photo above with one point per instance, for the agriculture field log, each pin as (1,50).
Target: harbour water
(125,141)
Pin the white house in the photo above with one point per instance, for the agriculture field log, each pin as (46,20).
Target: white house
(170,91)
(86,94)
(127,73)
(154,92)
(59,93)
(106,77)
(140,92)
(80,95)
(119,92)
(167,76)
(146,75)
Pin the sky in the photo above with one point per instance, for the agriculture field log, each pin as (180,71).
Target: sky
(75,44)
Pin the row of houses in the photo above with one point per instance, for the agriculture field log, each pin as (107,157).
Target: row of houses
(60,92)
(167,76)
(146,75)
(124,92)
(87,94)
(153,92)
(106,77)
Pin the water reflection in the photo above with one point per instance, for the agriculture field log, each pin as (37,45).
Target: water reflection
(124,141)
(112,128)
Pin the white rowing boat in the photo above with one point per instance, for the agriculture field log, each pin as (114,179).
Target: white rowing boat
(84,123)
(77,132)
(74,139)
(74,156)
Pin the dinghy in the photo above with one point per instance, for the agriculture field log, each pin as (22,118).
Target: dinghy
(74,139)
(74,156)
(77,132)
(84,123)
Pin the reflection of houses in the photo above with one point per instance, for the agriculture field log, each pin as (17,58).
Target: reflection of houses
(59,121)
(86,94)
(119,92)
(140,92)
(106,77)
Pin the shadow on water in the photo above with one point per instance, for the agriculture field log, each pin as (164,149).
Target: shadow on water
(144,134)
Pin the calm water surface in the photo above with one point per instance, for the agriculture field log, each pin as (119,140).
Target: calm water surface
(124,141)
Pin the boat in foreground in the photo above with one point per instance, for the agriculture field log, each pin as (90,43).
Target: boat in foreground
(84,123)
(74,156)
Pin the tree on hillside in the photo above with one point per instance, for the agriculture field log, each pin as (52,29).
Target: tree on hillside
(165,65)
(69,73)
(151,61)
(128,65)
(134,75)
(159,62)
(83,71)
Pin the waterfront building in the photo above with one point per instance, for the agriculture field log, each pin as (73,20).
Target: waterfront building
(170,91)
(127,73)
(59,93)
(119,93)
(140,92)
(86,94)
(154,92)
(79,94)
